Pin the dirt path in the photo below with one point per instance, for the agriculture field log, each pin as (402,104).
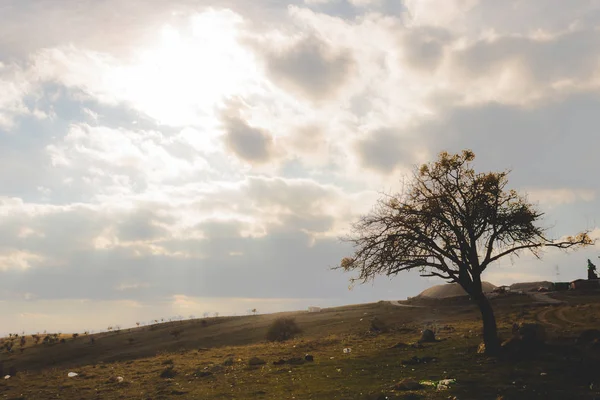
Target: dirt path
(395,303)
(544,298)
(560,314)
(542,317)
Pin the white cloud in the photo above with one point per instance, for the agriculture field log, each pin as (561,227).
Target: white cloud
(19,260)
(557,197)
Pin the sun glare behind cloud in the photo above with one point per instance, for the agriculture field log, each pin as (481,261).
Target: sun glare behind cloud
(180,79)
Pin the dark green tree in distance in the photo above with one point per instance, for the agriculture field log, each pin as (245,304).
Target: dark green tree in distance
(453,223)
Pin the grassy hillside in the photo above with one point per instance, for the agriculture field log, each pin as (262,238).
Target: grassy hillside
(210,360)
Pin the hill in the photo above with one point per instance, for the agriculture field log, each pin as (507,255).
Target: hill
(211,360)
(451,290)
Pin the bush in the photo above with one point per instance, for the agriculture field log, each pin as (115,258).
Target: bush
(378,326)
(282,329)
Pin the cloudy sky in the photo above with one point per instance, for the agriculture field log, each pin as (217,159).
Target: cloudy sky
(162,158)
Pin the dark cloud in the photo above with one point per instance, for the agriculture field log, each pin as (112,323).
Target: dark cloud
(423,48)
(569,56)
(248,143)
(385,149)
(310,67)
(551,145)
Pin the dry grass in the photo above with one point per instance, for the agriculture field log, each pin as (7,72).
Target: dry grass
(196,367)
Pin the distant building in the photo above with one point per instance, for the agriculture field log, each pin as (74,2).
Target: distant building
(314,309)
(585,284)
(561,286)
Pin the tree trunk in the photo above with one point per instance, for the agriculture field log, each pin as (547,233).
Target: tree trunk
(490,331)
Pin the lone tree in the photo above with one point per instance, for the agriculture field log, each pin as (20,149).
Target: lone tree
(450,222)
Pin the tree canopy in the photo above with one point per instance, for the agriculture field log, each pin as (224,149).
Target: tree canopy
(449,222)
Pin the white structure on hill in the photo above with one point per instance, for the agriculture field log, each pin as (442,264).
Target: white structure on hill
(314,309)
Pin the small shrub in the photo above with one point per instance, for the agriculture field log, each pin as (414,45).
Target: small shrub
(168,372)
(176,333)
(282,329)
(378,326)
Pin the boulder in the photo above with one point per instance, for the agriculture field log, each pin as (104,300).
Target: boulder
(427,336)
(309,358)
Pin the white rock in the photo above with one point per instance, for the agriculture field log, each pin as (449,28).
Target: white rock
(72,374)
(347,350)
(7,377)
(119,379)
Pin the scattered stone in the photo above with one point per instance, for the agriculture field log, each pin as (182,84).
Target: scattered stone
(427,336)
(228,362)
(408,384)
(588,336)
(72,374)
(309,358)
(481,348)
(445,384)
(256,361)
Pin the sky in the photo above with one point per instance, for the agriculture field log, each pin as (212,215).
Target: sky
(174,158)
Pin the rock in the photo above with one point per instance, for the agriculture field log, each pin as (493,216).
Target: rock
(309,358)
(588,336)
(481,348)
(427,336)
(256,361)
(408,384)
(279,362)
(532,333)
(72,374)
(228,362)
